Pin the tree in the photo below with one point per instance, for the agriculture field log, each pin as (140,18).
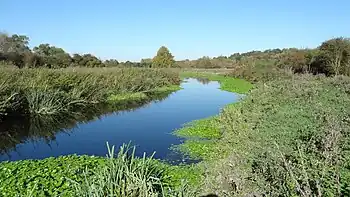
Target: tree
(53,56)
(76,59)
(295,59)
(90,60)
(163,59)
(111,63)
(204,62)
(146,62)
(336,53)
(14,43)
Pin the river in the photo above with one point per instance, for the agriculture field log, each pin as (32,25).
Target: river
(148,127)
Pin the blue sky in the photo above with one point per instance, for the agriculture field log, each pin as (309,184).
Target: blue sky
(131,30)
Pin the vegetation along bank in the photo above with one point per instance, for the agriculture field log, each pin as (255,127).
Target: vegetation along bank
(288,136)
(55,91)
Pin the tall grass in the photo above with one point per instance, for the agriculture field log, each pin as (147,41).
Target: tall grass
(48,91)
(125,175)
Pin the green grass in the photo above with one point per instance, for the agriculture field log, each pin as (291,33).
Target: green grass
(54,91)
(288,137)
(120,98)
(227,83)
(140,97)
(204,128)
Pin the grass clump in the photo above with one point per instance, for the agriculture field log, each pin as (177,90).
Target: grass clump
(120,98)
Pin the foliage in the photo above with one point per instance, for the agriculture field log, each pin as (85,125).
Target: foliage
(288,137)
(330,58)
(260,71)
(47,91)
(163,59)
(14,50)
(48,177)
(118,175)
(333,58)
(147,63)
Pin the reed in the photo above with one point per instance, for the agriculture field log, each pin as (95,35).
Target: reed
(49,91)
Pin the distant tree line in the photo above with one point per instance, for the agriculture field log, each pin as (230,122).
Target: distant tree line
(14,50)
(332,57)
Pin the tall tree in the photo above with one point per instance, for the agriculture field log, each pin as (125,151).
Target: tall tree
(163,59)
(53,56)
(337,54)
(14,43)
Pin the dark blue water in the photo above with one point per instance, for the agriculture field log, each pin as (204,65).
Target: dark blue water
(148,127)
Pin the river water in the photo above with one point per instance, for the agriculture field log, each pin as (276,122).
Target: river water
(148,127)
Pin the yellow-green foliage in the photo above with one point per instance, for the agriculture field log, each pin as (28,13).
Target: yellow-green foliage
(163,59)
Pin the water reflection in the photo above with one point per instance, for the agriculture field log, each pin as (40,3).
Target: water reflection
(30,129)
(203,81)
(147,125)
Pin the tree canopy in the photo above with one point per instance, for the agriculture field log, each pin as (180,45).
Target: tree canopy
(163,59)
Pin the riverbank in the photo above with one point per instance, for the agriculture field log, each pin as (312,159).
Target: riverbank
(57,173)
(286,138)
(49,91)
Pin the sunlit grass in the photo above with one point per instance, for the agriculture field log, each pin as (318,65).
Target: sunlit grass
(52,91)
(226,83)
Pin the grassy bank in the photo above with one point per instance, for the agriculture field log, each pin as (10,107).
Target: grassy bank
(226,83)
(288,137)
(47,91)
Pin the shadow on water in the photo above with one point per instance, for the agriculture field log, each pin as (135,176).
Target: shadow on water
(23,129)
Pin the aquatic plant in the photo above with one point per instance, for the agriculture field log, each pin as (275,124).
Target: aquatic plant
(122,174)
(49,91)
